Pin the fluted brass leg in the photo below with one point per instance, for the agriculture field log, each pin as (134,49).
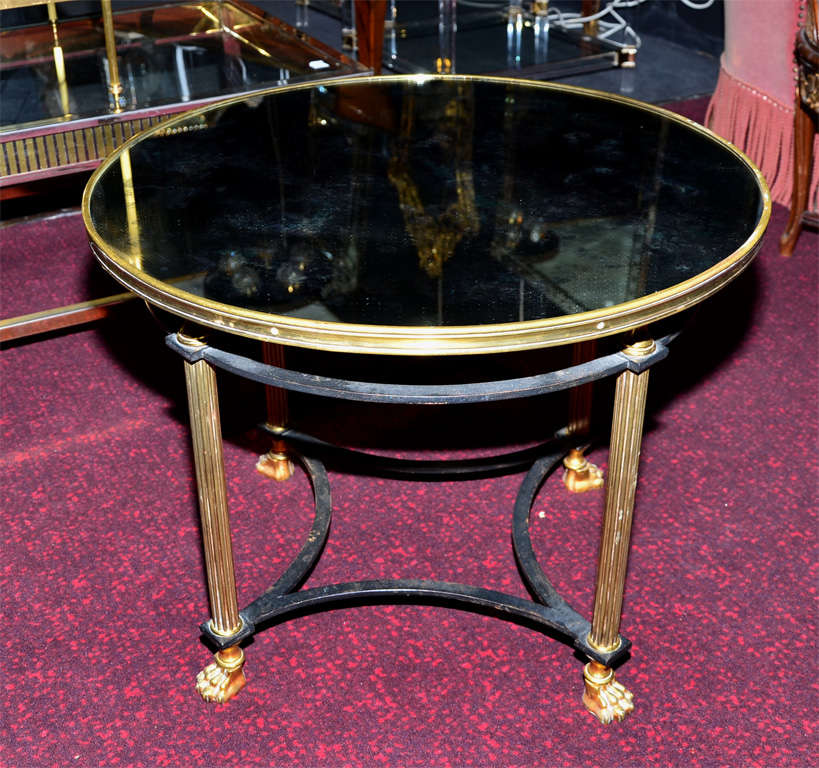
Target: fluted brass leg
(580,474)
(114,84)
(275,463)
(604,696)
(206,432)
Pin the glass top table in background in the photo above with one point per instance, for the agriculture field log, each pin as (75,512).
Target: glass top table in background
(56,77)
(493,38)
(426,216)
(75,85)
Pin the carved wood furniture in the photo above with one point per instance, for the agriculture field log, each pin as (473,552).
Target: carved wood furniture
(806,114)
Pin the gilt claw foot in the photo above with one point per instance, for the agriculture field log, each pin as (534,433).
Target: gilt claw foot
(224,678)
(581,475)
(604,697)
(276,466)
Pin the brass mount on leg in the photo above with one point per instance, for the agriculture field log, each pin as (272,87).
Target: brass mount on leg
(276,465)
(604,697)
(580,474)
(224,678)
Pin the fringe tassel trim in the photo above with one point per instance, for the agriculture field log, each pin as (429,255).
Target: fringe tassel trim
(762,127)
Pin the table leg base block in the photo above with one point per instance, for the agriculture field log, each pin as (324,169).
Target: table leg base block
(580,474)
(224,678)
(604,697)
(276,466)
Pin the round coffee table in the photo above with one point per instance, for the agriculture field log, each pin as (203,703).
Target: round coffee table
(426,216)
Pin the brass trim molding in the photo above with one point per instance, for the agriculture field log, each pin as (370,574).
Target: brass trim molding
(21,326)
(409,340)
(24,158)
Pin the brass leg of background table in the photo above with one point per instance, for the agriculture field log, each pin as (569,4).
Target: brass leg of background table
(114,84)
(580,474)
(604,696)
(225,677)
(275,463)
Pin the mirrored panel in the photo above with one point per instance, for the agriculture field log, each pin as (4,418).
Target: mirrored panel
(428,202)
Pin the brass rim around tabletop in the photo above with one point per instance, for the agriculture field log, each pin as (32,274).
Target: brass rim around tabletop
(423,340)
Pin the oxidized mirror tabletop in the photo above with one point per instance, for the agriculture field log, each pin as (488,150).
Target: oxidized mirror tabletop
(426,214)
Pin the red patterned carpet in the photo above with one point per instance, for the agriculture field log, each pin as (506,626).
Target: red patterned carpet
(102,582)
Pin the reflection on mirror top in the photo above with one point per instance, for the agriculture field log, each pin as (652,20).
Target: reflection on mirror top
(429,202)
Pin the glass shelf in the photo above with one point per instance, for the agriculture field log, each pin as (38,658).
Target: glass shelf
(57,83)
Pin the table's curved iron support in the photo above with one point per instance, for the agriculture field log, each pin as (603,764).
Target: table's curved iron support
(599,639)
(533,574)
(310,552)
(298,570)
(552,612)
(559,618)
(435,394)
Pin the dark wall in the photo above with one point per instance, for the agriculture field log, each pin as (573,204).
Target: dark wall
(701,30)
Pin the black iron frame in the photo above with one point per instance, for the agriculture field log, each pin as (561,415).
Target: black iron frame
(548,610)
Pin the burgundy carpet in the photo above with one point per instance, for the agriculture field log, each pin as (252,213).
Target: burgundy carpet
(43,267)
(102,582)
